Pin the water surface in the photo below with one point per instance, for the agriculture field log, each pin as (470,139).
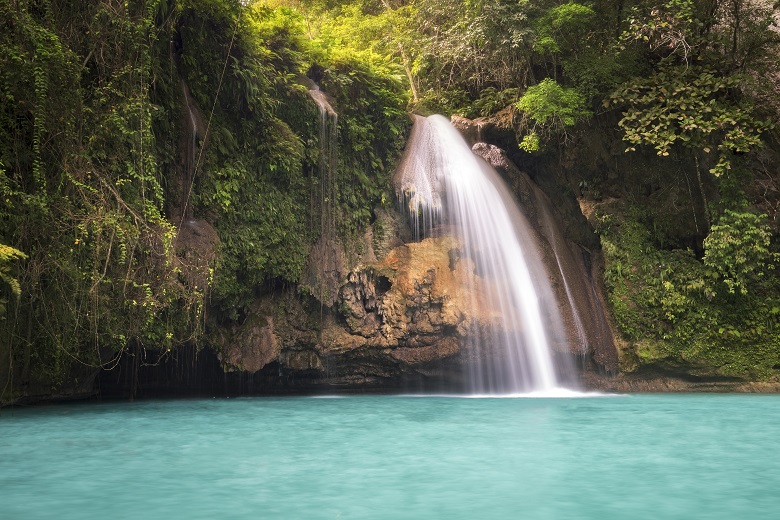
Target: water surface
(383,457)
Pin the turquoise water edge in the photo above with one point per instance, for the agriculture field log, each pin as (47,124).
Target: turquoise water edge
(388,457)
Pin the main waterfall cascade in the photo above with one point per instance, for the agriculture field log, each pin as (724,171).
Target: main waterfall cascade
(446,188)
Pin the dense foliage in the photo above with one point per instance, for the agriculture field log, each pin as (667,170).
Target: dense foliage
(82,188)
(719,317)
(131,132)
(690,259)
(123,126)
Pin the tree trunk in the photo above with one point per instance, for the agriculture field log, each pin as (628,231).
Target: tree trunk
(707,214)
(408,70)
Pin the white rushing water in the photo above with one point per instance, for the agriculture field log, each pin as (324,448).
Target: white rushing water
(447,188)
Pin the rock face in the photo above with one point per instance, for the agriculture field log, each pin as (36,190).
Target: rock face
(402,311)
(412,299)
(254,345)
(196,246)
(405,316)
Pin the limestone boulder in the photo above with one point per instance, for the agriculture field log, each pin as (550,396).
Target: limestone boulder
(251,346)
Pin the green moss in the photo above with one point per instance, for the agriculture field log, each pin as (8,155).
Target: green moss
(373,125)
(671,309)
(650,351)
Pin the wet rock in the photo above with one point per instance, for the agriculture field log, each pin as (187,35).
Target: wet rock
(251,346)
(681,382)
(301,360)
(387,232)
(196,246)
(442,348)
(324,270)
(471,130)
(498,129)
(574,269)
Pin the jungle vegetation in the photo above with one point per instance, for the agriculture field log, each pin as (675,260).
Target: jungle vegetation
(124,122)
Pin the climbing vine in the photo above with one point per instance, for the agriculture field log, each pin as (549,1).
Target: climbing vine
(85,199)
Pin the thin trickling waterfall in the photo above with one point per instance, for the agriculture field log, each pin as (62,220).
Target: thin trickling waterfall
(579,327)
(325,255)
(328,162)
(191,150)
(446,188)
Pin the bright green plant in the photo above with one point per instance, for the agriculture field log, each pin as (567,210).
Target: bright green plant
(7,256)
(563,28)
(553,108)
(738,250)
(667,304)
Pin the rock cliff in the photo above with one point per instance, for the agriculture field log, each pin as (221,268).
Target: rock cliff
(402,312)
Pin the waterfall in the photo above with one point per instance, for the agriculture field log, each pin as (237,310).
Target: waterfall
(328,134)
(190,161)
(584,328)
(325,262)
(446,188)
